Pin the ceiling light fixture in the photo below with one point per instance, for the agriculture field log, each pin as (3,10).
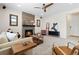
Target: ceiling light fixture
(19,5)
(41,14)
(70,3)
(4,7)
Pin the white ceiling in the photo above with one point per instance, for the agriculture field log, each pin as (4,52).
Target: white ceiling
(29,8)
(26,7)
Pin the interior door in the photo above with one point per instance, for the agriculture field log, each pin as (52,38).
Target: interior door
(74,26)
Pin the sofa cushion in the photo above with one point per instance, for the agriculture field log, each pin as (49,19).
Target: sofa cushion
(3,38)
(21,40)
(27,39)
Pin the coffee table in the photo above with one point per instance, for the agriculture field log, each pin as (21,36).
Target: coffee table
(19,47)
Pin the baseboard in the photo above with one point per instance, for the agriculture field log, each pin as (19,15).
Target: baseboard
(74,35)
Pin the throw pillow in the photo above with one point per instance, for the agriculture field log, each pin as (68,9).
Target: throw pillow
(11,36)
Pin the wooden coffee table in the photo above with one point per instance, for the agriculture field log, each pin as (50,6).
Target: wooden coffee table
(19,47)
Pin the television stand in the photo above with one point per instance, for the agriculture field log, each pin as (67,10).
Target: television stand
(54,33)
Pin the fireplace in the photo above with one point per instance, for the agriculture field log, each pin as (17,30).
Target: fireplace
(28,33)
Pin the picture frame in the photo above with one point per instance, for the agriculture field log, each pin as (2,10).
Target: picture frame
(38,23)
(13,20)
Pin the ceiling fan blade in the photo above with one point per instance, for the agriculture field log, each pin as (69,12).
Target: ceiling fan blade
(48,5)
(38,7)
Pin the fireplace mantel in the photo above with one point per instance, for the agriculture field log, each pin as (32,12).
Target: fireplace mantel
(28,25)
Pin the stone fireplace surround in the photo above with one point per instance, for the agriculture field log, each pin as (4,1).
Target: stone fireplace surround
(27,28)
(27,22)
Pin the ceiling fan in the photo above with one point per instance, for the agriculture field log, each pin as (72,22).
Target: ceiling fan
(45,6)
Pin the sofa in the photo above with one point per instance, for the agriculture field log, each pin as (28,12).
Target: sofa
(5,45)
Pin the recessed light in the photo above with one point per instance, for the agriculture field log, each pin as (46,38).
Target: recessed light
(19,5)
(70,3)
(41,14)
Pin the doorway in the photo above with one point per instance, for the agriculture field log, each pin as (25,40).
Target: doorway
(73,25)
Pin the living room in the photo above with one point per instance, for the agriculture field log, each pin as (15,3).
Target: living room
(52,23)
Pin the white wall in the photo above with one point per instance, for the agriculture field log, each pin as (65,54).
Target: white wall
(55,14)
(58,18)
(37,29)
(62,18)
(4,21)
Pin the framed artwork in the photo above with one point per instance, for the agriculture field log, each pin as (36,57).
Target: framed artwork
(38,23)
(13,20)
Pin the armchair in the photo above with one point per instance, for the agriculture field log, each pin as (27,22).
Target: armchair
(66,50)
